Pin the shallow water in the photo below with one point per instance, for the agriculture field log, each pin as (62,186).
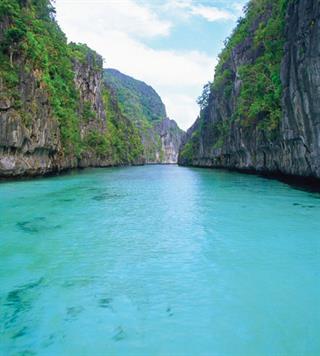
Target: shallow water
(158,260)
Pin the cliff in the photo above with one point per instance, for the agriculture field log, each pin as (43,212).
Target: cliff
(262,111)
(161,137)
(171,137)
(55,112)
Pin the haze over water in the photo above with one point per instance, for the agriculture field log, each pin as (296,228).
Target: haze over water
(158,260)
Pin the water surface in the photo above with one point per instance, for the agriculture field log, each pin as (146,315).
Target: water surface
(158,260)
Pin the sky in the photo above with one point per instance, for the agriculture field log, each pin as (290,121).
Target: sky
(171,45)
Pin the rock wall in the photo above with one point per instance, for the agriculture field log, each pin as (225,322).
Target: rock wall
(294,147)
(300,74)
(161,141)
(32,147)
(171,137)
(55,111)
(35,147)
(161,137)
(88,82)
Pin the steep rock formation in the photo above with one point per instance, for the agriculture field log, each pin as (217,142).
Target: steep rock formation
(161,137)
(300,74)
(171,138)
(55,112)
(139,100)
(31,146)
(249,119)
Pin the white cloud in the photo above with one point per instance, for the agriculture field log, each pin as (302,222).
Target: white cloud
(238,7)
(178,76)
(182,106)
(188,8)
(211,13)
(119,15)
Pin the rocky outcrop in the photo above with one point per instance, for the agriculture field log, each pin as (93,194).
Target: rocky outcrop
(171,137)
(300,75)
(140,100)
(88,82)
(219,138)
(55,111)
(161,137)
(29,138)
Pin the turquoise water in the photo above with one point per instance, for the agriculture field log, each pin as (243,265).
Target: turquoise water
(158,260)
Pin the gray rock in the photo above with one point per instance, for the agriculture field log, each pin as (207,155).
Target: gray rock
(141,104)
(171,137)
(296,148)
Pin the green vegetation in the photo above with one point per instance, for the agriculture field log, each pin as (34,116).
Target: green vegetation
(152,144)
(222,129)
(143,106)
(260,97)
(260,37)
(259,101)
(123,135)
(192,146)
(203,99)
(121,142)
(87,112)
(33,49)
(40,46)
(137,100)
(83,54)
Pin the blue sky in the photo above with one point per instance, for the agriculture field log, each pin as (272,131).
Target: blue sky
(172,45)
(196,32)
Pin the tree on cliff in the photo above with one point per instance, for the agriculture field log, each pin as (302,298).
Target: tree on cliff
(203,99)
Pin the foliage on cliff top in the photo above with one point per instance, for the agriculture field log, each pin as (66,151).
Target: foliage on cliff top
(261,91)
(85,55)
(259,100)
(31,43)
(143,106)
(260,33)
(137,100)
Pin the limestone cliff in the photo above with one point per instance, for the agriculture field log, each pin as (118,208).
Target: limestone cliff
(262,112)
(161,137)
(55,112)
(29,136)
(171,138)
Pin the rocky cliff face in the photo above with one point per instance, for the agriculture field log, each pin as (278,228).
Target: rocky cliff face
(55,112)
(171,138)
(36,147)
(161,137)
(139,100)
(300,74)
(31,147)
(91,110)
(262,111)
